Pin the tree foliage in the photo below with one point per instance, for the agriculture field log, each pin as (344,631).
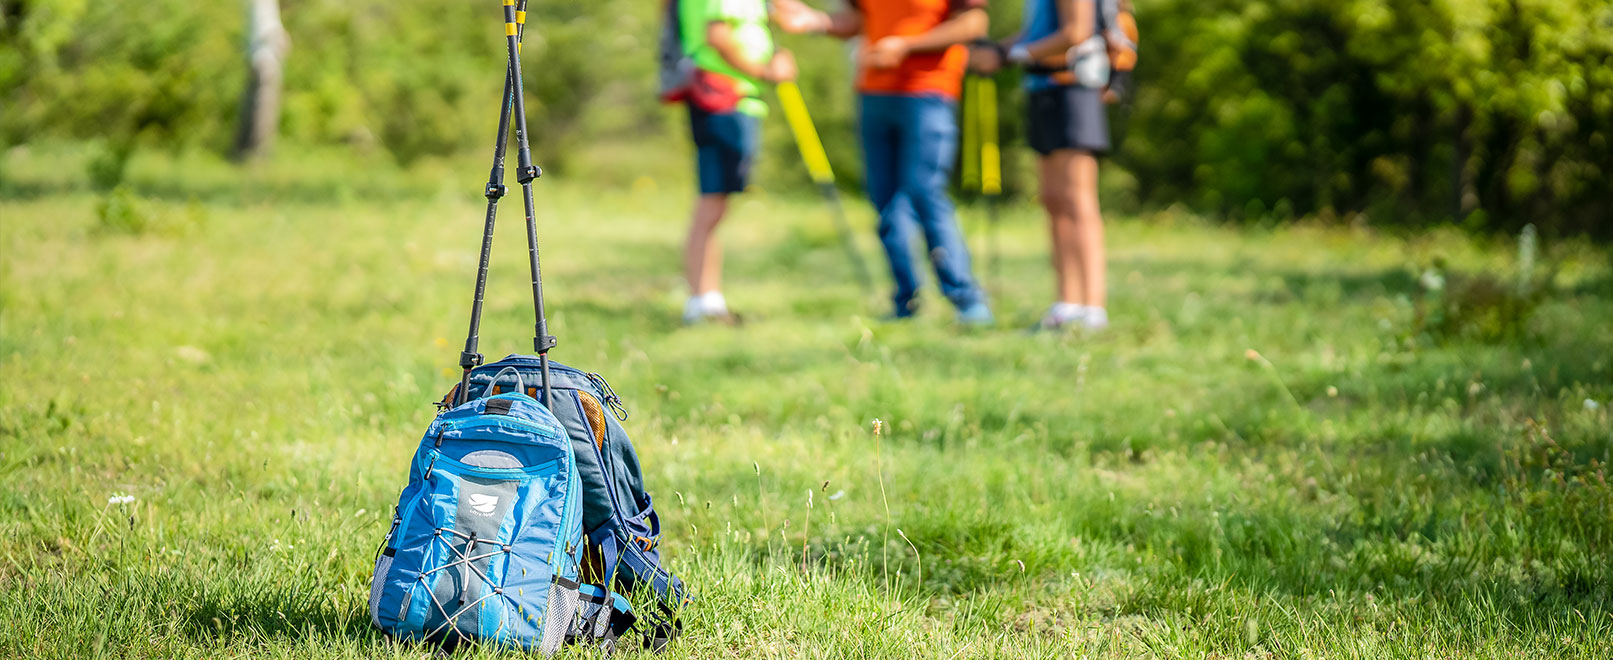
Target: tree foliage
(1493,112)
(1500,111)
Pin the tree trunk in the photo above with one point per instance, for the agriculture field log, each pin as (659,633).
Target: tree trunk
(1461,183)
(267,45)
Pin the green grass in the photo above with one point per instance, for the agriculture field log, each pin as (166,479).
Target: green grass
(1264,457)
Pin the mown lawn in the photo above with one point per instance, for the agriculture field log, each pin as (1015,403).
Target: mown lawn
(1268,455)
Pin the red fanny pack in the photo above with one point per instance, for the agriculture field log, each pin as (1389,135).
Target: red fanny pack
(708,91)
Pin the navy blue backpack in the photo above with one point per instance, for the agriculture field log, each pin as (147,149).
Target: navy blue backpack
(525,517)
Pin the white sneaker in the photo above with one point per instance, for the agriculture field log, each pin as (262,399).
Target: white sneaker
(1060,315)
(1063,315)
(1094,318)
(693,311)
(709,306)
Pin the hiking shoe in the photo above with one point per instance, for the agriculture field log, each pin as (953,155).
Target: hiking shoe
(1069,316)
(1061,316)
(1097,318)
(900,313)
(977,315)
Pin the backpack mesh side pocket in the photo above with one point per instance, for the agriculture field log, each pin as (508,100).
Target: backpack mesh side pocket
(562,612)
(383,565)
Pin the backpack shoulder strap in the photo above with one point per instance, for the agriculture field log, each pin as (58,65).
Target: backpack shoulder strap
(1107,11)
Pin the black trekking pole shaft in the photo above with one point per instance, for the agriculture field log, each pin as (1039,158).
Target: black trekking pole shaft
(843,228)
(993,252)
(817,164)
(470,358)
(542,341)
(991,176)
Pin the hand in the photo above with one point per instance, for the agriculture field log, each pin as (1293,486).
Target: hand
(795,17)
(781,67)
(887,53)
(985,60)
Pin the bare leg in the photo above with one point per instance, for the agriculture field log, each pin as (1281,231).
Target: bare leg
(1058,198)
(702,254)
(1089,230)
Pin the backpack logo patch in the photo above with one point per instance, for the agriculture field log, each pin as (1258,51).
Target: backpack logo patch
(482,504)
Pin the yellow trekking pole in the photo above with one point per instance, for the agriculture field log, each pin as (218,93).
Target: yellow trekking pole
(817,164)
(984,115)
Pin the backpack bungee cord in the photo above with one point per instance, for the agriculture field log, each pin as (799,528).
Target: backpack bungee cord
(525,173)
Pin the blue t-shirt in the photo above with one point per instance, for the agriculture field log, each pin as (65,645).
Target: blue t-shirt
(1041,20)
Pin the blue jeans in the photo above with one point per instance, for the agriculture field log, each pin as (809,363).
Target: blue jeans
(908,146)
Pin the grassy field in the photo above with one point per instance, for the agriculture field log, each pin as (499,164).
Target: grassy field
(211,381)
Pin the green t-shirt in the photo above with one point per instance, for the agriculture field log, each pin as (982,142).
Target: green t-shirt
(748,19)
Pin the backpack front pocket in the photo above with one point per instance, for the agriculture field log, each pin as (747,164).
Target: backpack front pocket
(472,535)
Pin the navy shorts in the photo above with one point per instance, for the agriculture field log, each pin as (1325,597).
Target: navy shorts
(1067,117)
(725,148)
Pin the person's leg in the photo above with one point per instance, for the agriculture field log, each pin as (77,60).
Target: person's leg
(879,126)
(1059,199)
(928,147)
(702,254)
(1066,127)
(1089,238)
(725,146)
(1088,136)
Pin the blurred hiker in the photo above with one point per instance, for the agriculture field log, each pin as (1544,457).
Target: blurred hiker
(1063,51)
(726,53)
(911,71)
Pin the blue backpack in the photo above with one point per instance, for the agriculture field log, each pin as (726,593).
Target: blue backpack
(486,539)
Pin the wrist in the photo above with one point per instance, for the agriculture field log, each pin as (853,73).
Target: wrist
(823,23)
(1018,54)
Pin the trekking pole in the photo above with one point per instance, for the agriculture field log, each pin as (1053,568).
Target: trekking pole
(469,358)
(525,172)
(817,164)
(991,173)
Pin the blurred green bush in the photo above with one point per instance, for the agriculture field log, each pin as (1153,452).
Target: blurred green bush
(1491,113)
(1495,112)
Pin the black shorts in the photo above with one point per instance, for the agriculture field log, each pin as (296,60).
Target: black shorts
(1067,117)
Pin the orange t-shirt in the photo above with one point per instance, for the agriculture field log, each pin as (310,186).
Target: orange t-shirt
(939,72)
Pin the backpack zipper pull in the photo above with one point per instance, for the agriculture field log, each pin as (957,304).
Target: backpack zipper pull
(615,402)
